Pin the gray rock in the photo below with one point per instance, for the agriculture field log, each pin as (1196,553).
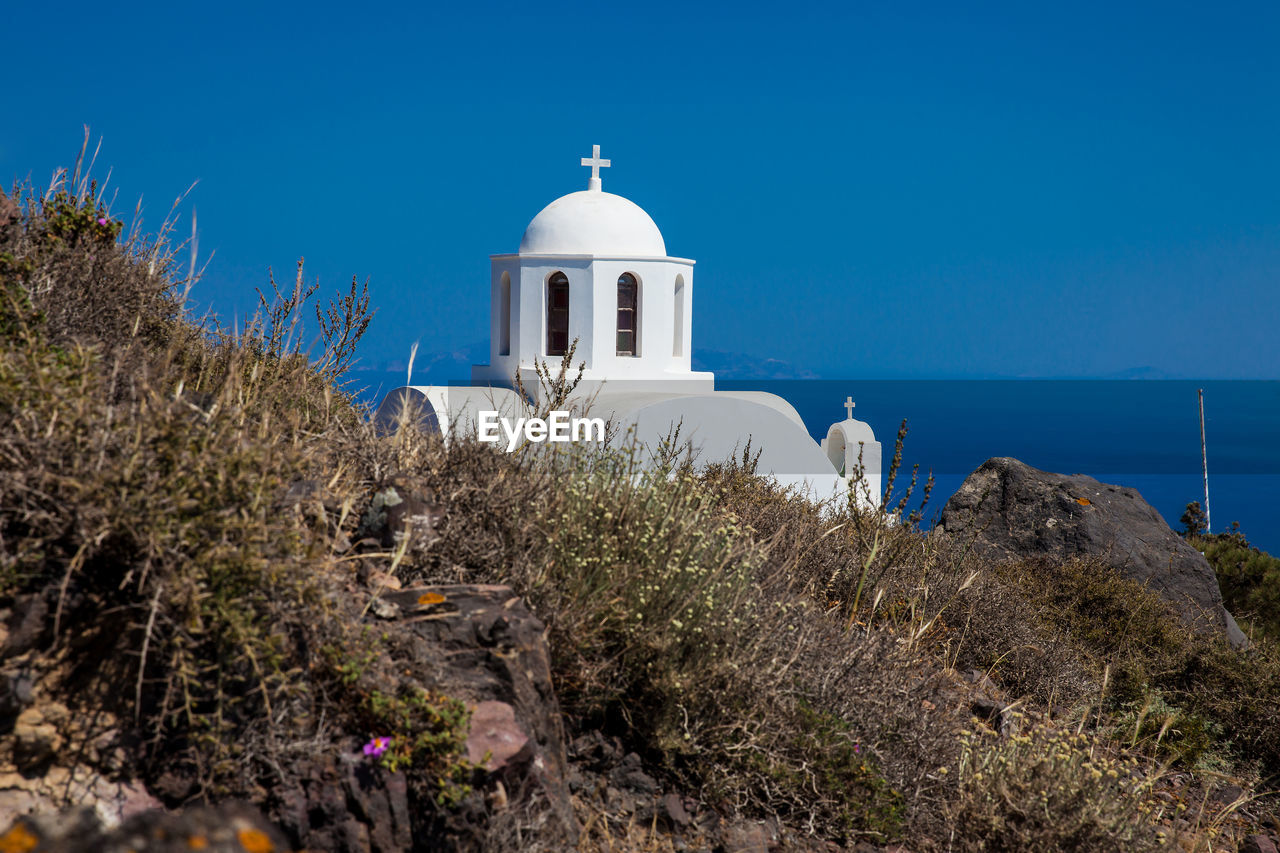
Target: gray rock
(345,804)
(674,812)
(1257,844)
(17,691)
(630,774)
(743,837)
(482,643)
(475,643)
(1228,794)
(993,712)
(1009,510)
(396,512)
(384,609)
(29,625)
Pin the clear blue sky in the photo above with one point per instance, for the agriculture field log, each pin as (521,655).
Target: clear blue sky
(870,190)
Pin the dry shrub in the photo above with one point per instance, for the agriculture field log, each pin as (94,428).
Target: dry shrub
(1048,791)
(669,625)
(88,286)
(1249,579)
(143,464)
(148,529)
(996,629)
(1229,695)
(488,500)
(871,569)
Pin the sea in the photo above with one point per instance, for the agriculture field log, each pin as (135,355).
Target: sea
(1144,434)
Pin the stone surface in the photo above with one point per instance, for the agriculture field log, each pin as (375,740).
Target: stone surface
(675,812)
(482,644)
(1009,511)
(478,644)
(630,775)
(1228,794)
(35,739)
(28,625)
(396,512)
(743,837)
(1258,844)
(991,711)
(226,828)
(345,804)
(110,800)
(17,691)
(496,740)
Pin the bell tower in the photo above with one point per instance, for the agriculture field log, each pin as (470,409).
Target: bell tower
(593,267)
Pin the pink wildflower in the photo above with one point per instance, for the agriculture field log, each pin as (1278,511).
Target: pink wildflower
(377,746)
(102,220)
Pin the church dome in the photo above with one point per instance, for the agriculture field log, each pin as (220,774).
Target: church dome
(593,222)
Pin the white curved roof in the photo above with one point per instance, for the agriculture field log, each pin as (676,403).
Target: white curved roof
(853,431)
(593,222)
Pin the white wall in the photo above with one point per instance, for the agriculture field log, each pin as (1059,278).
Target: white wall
(848,440)
(656,316)
(593,283)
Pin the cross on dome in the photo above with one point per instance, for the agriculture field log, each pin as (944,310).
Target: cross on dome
(595,163)
(848,406)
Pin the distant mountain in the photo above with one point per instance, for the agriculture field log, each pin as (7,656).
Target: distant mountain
(1141,373)
(433,366)
(455,364)
(737,365)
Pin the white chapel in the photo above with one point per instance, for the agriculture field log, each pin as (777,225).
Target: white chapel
(593,267)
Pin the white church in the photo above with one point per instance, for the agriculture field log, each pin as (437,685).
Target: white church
(593,268)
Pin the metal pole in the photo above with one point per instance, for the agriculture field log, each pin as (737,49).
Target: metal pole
(1204,461)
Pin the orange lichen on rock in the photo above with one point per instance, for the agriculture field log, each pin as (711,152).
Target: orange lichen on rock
(254,841)
(18,839)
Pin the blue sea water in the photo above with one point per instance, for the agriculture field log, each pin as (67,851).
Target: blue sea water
(1143,434)
(1137,433)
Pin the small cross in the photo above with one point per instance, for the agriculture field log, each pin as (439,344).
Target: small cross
(848,406)
(595,163)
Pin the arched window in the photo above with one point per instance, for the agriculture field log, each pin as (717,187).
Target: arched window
(504,316)
(628,313)
(557,314)
(677,342)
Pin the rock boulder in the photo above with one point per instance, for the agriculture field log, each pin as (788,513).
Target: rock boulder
(489,648)
(477,643)
(1009,510)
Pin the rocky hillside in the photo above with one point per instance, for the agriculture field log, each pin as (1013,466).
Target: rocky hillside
(235,617)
